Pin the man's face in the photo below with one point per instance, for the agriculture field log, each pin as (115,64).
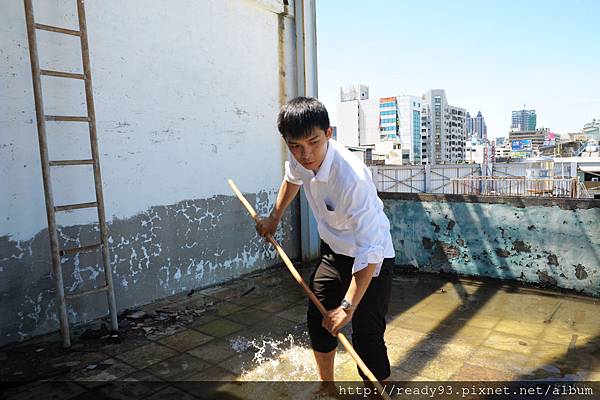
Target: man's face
(310,151)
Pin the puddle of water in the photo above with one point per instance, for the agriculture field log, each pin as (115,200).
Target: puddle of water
(286,359)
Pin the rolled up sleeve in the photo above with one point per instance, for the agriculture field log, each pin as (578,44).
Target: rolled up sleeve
(364,208)
(291,175)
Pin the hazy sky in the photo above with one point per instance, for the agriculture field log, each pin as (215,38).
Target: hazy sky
(492,56)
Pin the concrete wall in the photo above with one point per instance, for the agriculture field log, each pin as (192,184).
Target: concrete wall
(186,95)
(551,242)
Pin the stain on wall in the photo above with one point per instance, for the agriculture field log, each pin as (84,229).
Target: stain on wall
(174,123)
(159,252)
(550,242)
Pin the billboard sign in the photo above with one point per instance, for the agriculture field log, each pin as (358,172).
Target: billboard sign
(521,145)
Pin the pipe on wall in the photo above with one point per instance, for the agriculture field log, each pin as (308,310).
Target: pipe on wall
(306,56)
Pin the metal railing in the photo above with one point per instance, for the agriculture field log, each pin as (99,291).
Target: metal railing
(517,186)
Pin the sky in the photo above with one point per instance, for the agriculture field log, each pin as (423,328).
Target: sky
(492,56)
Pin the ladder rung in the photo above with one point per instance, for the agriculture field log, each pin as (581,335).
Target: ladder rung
(78,295)
(57,29)
(75,206)
(66,118)
(82,249)
(59,163)
(60,74)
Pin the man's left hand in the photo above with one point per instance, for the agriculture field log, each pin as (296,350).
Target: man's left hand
(336,319)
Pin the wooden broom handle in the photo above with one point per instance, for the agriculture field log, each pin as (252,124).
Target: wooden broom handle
(288,263)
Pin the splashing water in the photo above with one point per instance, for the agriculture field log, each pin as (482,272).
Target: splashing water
(288,359)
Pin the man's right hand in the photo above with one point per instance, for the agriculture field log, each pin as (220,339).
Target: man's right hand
(267,226)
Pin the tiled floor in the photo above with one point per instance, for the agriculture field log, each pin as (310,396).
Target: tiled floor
(253,329)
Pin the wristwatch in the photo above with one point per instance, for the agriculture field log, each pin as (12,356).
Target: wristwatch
(347,306)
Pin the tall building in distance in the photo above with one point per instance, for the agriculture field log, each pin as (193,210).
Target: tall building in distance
(400,122)
(443,129)
(476,127)
(592,130)
(523,120)
(404,129)
(357,117)
(354,92)
(386,124)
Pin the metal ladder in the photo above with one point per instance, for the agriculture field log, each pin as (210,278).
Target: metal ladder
(51,209)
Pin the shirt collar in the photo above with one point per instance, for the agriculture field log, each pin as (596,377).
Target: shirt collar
(323,172)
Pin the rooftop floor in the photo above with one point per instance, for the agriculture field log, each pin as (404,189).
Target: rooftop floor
(253,329)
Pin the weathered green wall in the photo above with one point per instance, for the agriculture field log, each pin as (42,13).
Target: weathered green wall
(553,242)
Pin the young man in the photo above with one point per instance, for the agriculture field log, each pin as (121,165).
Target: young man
(353,279)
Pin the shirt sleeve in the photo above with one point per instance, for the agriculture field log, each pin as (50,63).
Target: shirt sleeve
(364,208)
(290,174)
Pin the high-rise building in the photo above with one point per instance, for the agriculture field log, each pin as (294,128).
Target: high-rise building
(387,124)
(592,130)
(536,138)
(443,129)
(400,121)
(354,92)
(523,120)
(476,127)
(417,130)
(357,118)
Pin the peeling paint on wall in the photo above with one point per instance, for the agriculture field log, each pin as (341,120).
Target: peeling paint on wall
(159,252)
(174,122)
(550,242)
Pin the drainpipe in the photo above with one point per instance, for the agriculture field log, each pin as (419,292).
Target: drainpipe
(306,56)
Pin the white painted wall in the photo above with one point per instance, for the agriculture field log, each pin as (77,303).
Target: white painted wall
(370,109)
(347,122)
(186,95)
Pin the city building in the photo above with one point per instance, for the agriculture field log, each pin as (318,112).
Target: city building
(443,130)
(354,92)
(400,122)
(500,141)
(391,125)
(523,120)
(476,127)
(535,139)
(479,153)
(357,117)
(404,129)
(502,153)
(592,130)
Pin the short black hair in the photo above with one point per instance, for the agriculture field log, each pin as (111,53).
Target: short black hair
(300,115)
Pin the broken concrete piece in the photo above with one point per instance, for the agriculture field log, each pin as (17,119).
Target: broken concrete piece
(94,334)
(137,315)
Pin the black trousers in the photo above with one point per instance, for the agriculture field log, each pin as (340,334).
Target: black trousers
(329,282)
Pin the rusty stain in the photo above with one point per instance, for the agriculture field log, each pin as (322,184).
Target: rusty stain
(460,242)
(502,252)
(552,259)
(545,279)
(445,250)
(282,73)
(580,272)
(427,243)
(519,245)
(451,224)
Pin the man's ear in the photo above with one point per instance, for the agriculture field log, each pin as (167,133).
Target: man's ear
(329,133)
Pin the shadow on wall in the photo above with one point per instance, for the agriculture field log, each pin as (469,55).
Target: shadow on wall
(548,242)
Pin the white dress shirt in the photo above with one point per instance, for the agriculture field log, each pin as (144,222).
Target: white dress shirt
(344,201)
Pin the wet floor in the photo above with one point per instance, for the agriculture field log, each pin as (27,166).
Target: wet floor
(253,329)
